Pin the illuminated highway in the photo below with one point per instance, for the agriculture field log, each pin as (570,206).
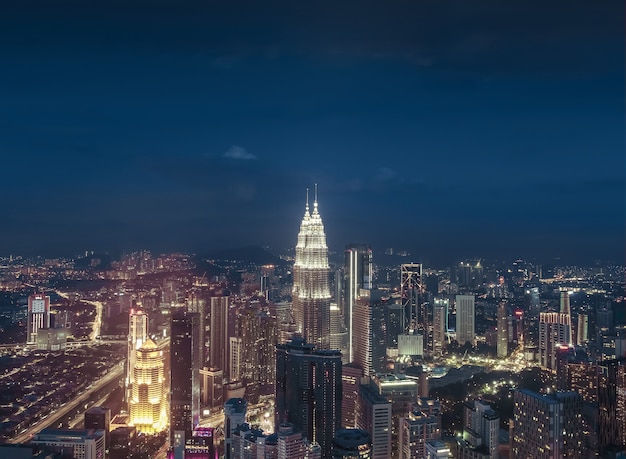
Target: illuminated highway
(53,418)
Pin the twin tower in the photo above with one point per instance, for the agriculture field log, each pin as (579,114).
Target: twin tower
(311,288)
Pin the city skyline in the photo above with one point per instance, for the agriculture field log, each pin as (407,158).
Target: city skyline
(443,130)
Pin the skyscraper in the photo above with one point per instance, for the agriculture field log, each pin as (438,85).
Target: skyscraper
(582,329)
(311,283)
(503,336)
(465,319)
(411,289)
(566,309)
(38,315)
(184,376)
(137,335)
(218,334)
(358,275)
(309,391)
(554,331)
(440,324)
(148,400)
(369,343)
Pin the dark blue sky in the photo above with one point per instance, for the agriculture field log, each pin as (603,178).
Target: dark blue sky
(448,128)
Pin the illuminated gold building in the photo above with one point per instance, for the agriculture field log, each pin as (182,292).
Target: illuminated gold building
(148,410)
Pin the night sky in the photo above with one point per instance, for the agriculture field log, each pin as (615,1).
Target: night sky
(447,128)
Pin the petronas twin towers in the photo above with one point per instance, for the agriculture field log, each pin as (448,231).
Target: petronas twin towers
(311,289)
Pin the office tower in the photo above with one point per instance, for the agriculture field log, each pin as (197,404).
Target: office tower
(368,345)
(417,428)
(546,426)
(394,322)
(338,333)
(349,443)
(435,449)
(440,324)
(148,399)
(554,332)
(84,443)
(502,347)
(402,393)
(212,388)
(137,335)
(374,416)
(411,289)
(612,404)
(38,316)
(311,288)
(309,391)
(235,411)
(184,377)
(256,333)
(351,376)
(481,426)
(358,275)
(465,319)
(582,330)
(99,418)
(565,309)
(218,334)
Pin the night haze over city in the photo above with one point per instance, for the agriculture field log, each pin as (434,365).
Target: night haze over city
(312,230)
(446,129)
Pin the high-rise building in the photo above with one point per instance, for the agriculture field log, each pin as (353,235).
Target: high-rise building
(184,377)
(440,324)
(84,443)
(402,393)
(235,410)
(212,388)
(465,316)
(309,391)
(612,404)
(311,282)
(218,334)
(411,290)
(582,329)
(137,335)
(351,376)
(481,426)
(502,347)
(99,418)
(358,275)
(38,316)
(374,416)
(554,332)
(352,443)
(566,309)
(148,402)
(368,345)
(546,426)
(419,427)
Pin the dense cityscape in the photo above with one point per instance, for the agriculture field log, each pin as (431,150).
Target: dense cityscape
(355,353)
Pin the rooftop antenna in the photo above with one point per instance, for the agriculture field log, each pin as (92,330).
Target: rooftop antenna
(315,202)
(307,199)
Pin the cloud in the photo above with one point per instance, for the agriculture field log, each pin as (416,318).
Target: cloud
(240,153)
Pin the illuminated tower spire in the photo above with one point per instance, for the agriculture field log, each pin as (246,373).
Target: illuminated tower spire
(311,289)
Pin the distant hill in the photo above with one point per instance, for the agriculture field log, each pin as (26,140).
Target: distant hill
(251,254)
